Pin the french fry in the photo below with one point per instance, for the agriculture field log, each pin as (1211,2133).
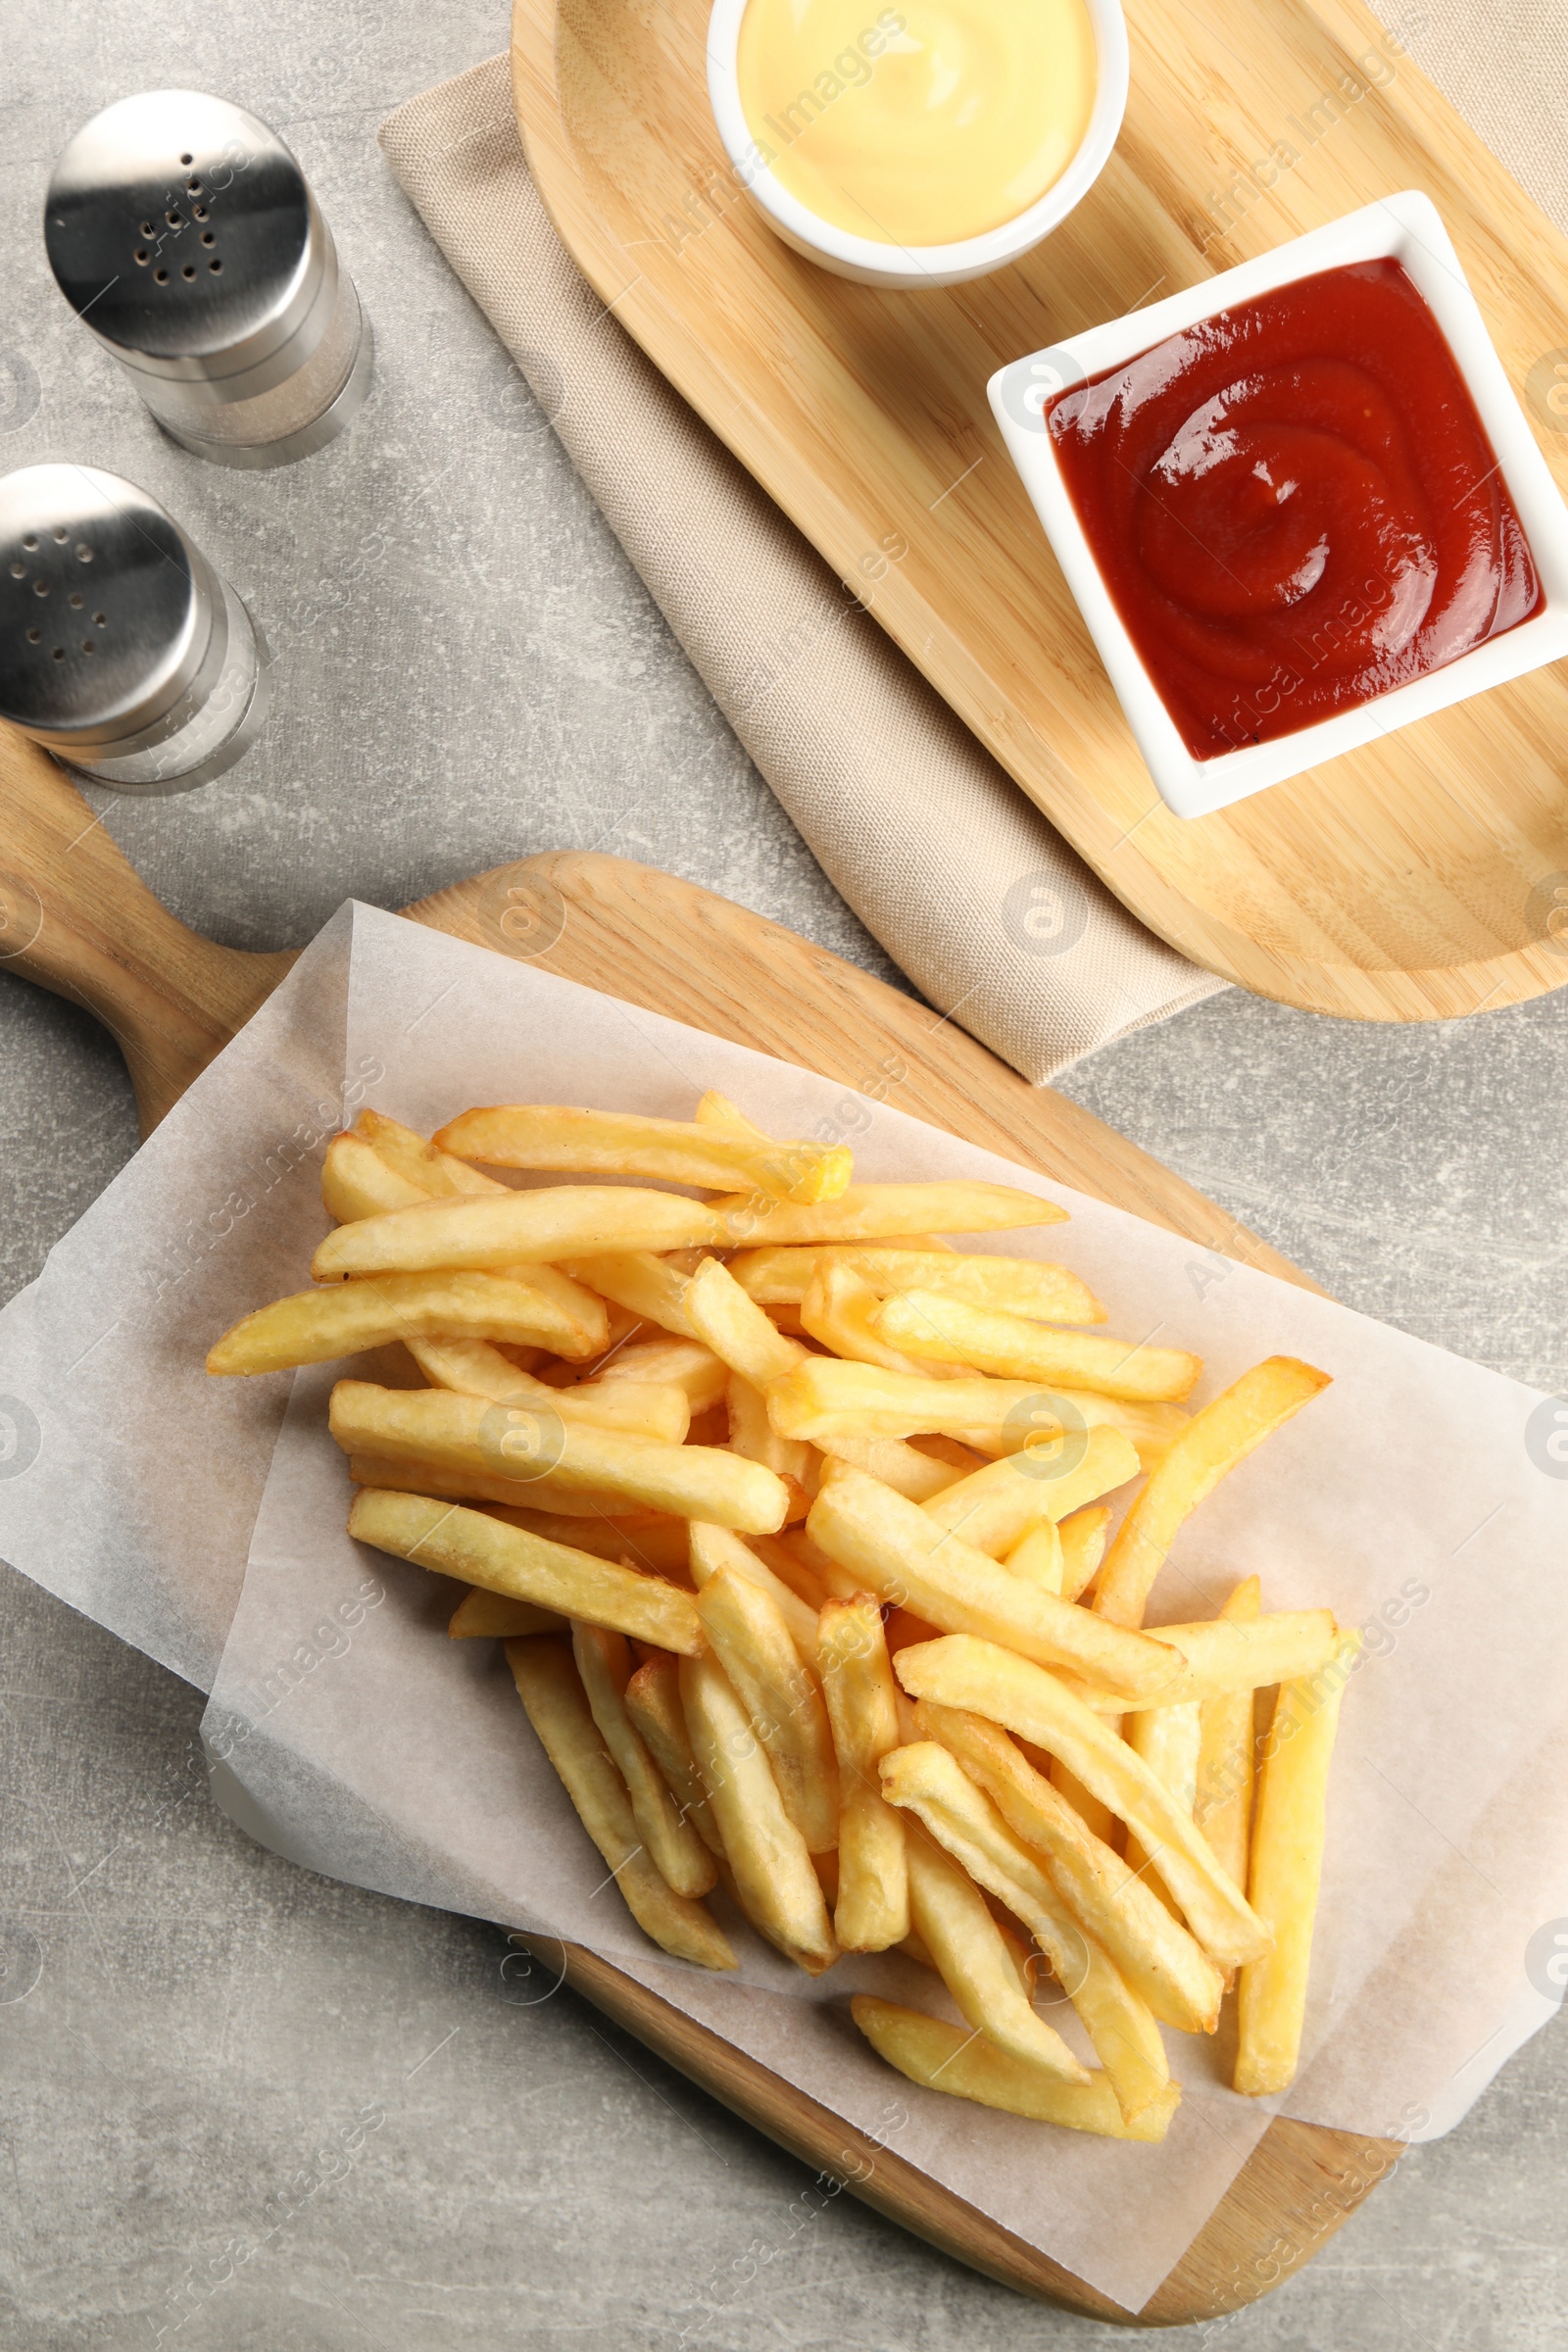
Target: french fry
(796,1561)
(1211,1443)
(671,1362)
(508,1229)
(736,1329)
(873,1212)
(466,1435)
(355,1182)
(519,1501)
(930,1782)
(938,2056)
(643,1284)
(1083,1546)
(751,1635)
(1167,1739)
(480,1614)
(1221,1655)
(823,1399)
(1037,1556)
(605,1667)
(774,1880)
(478,1549)
(840,1308)
(618,1143)
(972,1959)
(928,1326)
(553,1697)
(653,1701)
(994,1508)
(752,1435)
(645,1539)
(901,1554)
(871,1912)
(781,1277)
(715,1548)
(905,1468)
(637,1408)
(959,1671)
(1163,1963)
(1284,1873)
(435,1172)
(1223,1803)
(316,1326)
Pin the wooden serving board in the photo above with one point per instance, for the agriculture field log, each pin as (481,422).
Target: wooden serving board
(1409,881)
(75,918)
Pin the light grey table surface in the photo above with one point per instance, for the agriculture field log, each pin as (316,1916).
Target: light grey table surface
(209,2021)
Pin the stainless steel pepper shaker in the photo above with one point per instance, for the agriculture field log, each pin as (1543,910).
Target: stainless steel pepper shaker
(186,236)
(120,648)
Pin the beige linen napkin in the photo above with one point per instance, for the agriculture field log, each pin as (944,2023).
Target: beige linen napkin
(942,858)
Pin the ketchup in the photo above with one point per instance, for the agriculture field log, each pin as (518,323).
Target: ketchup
(1295,507)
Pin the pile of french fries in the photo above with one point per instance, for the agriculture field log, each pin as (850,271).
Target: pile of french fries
(821,1551)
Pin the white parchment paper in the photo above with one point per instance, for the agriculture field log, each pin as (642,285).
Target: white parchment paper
(1421,1498)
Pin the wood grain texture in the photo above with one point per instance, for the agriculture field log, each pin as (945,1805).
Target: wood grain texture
(1402,882)
(94,933)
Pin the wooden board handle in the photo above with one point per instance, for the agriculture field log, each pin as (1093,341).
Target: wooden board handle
(75,917)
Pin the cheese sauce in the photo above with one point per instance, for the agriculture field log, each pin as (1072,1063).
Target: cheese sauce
(934,122)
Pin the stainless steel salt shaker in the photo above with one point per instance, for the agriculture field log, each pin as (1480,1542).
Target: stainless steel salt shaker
(185,235)
(120,648)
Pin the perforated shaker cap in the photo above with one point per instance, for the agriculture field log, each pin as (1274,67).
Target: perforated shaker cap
(107,610)
(182,231)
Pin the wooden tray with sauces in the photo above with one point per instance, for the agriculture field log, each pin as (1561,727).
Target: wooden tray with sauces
(77,919)
(1417,879)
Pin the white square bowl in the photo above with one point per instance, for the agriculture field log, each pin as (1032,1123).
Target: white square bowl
(1406,228)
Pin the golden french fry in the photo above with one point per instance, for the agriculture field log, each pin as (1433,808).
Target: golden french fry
(823,1399)
(938,2056)
(797,1563)
(478,1550)
(751,1639)
(1211,1443)
(930,1782)
(315,1326)
(644,1540)
(355,1182)
(552,1696)
(637,1408)
(1163,1963)
(715,1548)
(871,1911)
(1223,1804)
(506,1229)
(994,1508)
(872,1212)
(1083,1546)
(643,1284)
(929,1326)
(1221,1655)
(774,1880)
(464,1434)
(653,1701)
(683,1364)
(959,1671)
(901,1554)
(1097,1819)
(1167,1739)
(905,1468)
(781,1277)
(518,1501)
(436,1173)
(752,1435)
(735,1327)
(1286,1869)
(619,1143)
(972,1959)
(1037,1556)
(840,1310)
(479,1614)
(605,1666)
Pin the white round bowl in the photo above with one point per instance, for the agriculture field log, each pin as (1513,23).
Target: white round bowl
(867,260)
